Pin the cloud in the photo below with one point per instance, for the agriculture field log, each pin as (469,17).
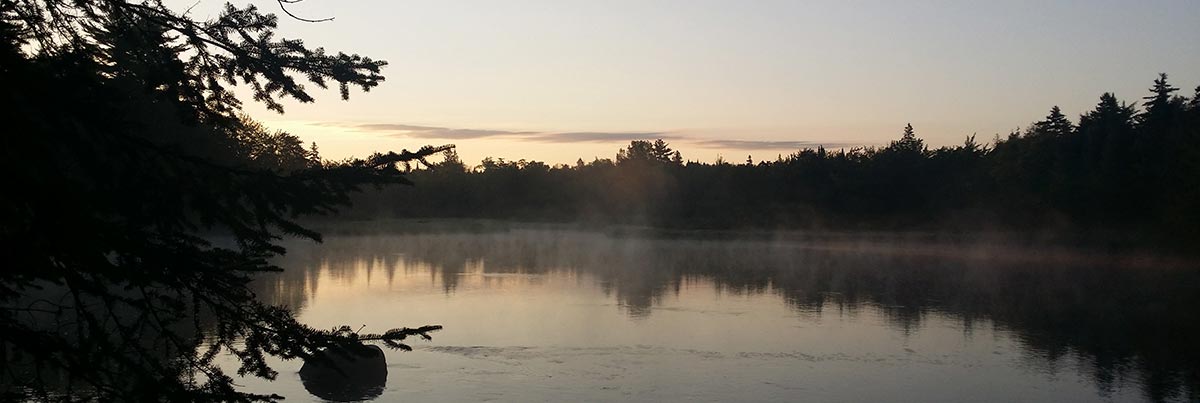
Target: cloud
(418,131)
(425,132)
(600,137)
(771,145)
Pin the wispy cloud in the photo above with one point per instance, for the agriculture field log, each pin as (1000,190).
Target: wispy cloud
(419,131)
(434,131)
(439,132)
(600,137)
(771,145)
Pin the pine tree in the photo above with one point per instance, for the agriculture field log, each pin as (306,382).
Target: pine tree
(661,151)
(129,147)
(909,142)
(1194,103)
(1160,94)
(1108,113)
(313,155)
(1161,107)
(1055,124)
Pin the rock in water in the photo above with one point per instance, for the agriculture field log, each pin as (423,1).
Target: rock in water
(346,374)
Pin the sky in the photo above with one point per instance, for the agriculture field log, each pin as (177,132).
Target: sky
(561,80)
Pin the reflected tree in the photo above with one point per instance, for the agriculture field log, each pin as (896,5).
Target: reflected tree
(1124,320)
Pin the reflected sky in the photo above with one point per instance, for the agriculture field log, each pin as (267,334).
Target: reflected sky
(547,314)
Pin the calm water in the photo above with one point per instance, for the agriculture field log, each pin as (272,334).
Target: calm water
(552,315)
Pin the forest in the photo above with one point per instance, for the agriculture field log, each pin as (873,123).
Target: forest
(1121,168)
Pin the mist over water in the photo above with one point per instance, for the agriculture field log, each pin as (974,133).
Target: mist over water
(554,314)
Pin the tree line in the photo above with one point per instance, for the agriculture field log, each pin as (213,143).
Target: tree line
(1117,168)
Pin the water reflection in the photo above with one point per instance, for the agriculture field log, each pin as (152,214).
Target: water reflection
(1115,320)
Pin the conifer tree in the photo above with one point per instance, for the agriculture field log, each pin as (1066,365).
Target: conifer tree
(1109,113)
(1055,124)
(661,151)
(909,142)
(1194,103)
(313,155)
(1161,106)
(125,146)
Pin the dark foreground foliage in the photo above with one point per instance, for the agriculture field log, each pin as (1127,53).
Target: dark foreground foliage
(1120,172)
(139,201)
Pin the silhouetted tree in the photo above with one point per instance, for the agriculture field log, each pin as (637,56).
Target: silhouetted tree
(450,162)
(908,143)
(1194,103)
(1161,106)
(141,202)
(1107,137)
(313,155)
(639,151)
(1108,115)
(661,151)
(1055,124)
(1109,175)
(271,149)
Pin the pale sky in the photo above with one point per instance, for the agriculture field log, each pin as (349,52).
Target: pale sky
(559,80)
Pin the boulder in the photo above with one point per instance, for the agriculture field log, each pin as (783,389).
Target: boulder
(346,374)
